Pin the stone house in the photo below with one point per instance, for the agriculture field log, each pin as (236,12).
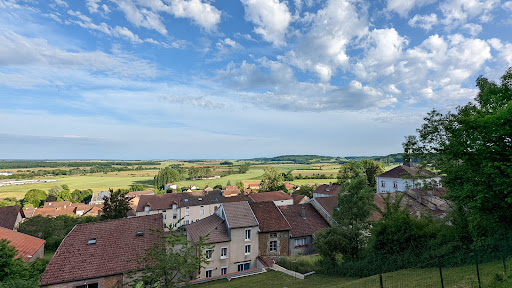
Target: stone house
(274,230)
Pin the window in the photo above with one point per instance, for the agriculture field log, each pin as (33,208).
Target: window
(187,213)
(247,234)
(174,206)
(186,222)
(383,184)
(208,273)
(174,216)
(208,253)
(244,266)
(146,209)
(273,235)
(273,246)
(165,216)
(300,242)
(201,211)
(247,249)
(395,184)
(92,285)
(223,270)
(224,252)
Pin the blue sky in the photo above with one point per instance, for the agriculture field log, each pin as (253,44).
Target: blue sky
(183,79)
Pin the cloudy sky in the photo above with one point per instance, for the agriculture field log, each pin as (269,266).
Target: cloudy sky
(182,79)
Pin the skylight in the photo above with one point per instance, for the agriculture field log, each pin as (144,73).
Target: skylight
(140,233)
(91,241)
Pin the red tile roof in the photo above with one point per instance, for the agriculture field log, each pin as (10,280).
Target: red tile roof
(269,217)
(26,245)
(239,214)
(328,203)
(213,226)
(238,198)
(9,215)
(270,196)
(312,223)
(140,193)
(328,189)
(54,212)
(406,171)
(57,204)
(288,186)
(231,192)
(157,201)
(116,249)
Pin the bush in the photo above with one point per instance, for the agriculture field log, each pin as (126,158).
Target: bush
(301,264)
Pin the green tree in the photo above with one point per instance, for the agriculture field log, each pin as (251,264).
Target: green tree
(272,179)
(137,187)
(305,190)
(34,197)
(55,190)
(371,169)
(472,149)
(349,171)
(229,183)
(244,168)
(170,261)
(14,272)
(166,175)
(240,185)
(116,206)
(64,195)
(349,235)
(81,196)
(218,186)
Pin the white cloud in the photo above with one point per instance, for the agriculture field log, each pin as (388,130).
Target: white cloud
(472,28)
(141,17)
(201,13)
(402,7)
(92,5)
(504,53)
(507,6)
(270,17)
(459,12)
(423,21)
(323,48)
(61,3)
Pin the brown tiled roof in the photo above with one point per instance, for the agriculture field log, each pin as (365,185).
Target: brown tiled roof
(377,200)
(214,196)
(239,214)
(328,189)
(116,249)
(406,171)
(57,204)
(312,223)
(328,203)
(95,211)
(29,211)
(140,193)
(298,198)
(288,186)
(194,198)
(158,201)
(231,192)
(213,226)
(270,196)
(269,217)
(231,188)
(9,215)
(26,245)
(238,198)
(54,212)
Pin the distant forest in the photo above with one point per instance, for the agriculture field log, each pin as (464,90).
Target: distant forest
(310,159)
(19,164)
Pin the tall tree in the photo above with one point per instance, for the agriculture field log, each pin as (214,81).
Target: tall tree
(170,262)
(349,171)
(34,197)
(371,170)
(272,180)
(472,149)
(116,206)
(166,175)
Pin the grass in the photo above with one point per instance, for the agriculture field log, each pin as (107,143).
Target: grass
(314,172)
(459,277)
(48,255)
(313,181)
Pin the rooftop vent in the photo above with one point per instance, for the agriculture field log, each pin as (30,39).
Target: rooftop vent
(140,233)
(91,241)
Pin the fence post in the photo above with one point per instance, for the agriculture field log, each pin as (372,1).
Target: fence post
(381,284)
(477,270)
(440,272)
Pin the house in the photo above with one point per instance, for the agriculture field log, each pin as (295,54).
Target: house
(326,190)
(99,198)
(87,209)
(135,195)
(171,186)
(189,207)
(231,192)
(233,233)
(279,197)
(289,186)
(404,177)
(57,204)
(254,186)
(11,216)
(29,211)
(99,254)
(274,229)
(305,221)
(54,212)
(29,248)
(238,198)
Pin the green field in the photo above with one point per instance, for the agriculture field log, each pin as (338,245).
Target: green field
(460,277)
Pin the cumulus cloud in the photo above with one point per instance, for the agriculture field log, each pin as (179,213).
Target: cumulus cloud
(270,17)
(94,7)
(201,13)
(459,12)
(472,28)
(423,21)
(322,49)
(402,7)
(507,6)
(141,17)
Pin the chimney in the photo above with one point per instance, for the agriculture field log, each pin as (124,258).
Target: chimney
(330,184)
(407,156)
(303,214)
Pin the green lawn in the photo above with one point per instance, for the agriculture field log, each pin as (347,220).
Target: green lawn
(460,277)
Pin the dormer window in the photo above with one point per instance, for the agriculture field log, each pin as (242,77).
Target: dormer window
(140,233)
(91,241)
(146,209)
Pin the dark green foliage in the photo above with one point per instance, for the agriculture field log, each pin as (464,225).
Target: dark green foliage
(244,168)
(137,187)
(297,159)
(218,186)
(272,180)
(472,149)
(371,170)
(349,171)
(14,272)
(34,197)
(52,230)
(227,163)
(305,190)
(81,196)
(199,172)
(165,176)
(116,206)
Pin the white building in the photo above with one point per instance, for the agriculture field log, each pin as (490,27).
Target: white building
(403,178)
